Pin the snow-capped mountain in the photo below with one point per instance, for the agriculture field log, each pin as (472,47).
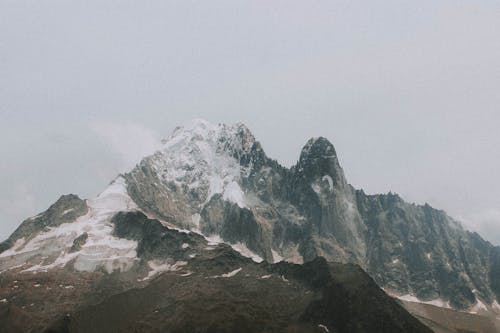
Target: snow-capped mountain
(217,180)
(211,185)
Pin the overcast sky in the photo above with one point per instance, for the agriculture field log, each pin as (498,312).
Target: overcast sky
(407,91)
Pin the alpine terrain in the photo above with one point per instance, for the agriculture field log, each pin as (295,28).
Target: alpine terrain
(209,234)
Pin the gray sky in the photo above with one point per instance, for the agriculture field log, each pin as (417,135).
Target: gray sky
(408,92)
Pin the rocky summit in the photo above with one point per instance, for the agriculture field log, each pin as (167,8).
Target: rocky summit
(209,227)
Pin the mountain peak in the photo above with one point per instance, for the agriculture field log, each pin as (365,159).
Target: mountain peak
(220,136)
(318,159)
(318,147)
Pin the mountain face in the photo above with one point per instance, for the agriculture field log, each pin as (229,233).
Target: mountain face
(181,282)
(219,181)
(212,188)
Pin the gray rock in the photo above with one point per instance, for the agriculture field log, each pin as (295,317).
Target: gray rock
(310,210)
(66,209)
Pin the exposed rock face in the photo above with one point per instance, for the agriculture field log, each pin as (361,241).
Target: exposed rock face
(67,208)
(182,283)
(218,180)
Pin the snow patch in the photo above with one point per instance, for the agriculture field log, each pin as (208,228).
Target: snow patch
(227,275)
(158,267)
(246,252)
(478,307)
(67,211)
(329,180)
(276,256)
(35,217)
(185,245)
(232,273)
(316,188)
(14,249)
(214,240)
(233,193)
(292,255)
(195,218)
(201,156)
(263,277)
(436,302)
(324,328)
(101,249)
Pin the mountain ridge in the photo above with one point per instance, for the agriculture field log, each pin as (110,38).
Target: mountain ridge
(218,181)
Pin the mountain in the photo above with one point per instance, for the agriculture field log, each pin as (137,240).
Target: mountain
(183,218)
(219,181)
(178,281)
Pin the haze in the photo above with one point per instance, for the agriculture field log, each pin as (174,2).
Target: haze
(408,92)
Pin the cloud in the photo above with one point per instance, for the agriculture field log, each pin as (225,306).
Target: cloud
(486,223)
(130,141)
(15,206)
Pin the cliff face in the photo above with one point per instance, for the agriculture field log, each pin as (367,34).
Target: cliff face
(228,187)
(216,181)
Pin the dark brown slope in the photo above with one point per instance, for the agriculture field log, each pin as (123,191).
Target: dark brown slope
(443,320)
(217,290)
(315,297)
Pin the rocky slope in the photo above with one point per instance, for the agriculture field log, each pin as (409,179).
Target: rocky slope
(215,183)
(219,181)
(180,282)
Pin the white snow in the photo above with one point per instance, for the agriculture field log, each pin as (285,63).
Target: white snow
(292,255)
(196,222)
(185,245)
(324,328)
(316,188)
(495,305)
(265,276)
(276,256)
(158,267)
(214,240)
(227,275)
(246,252)
(3,300)
(478,307)
(411,298)
(35,217)
(14,249)
(231,274)
(329,180)
(101,249)
(239,247)
(67,211)
(200,156)
(234,194)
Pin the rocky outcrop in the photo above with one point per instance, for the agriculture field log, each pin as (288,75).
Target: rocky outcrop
(181,282)
(218,180)
(66,209)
